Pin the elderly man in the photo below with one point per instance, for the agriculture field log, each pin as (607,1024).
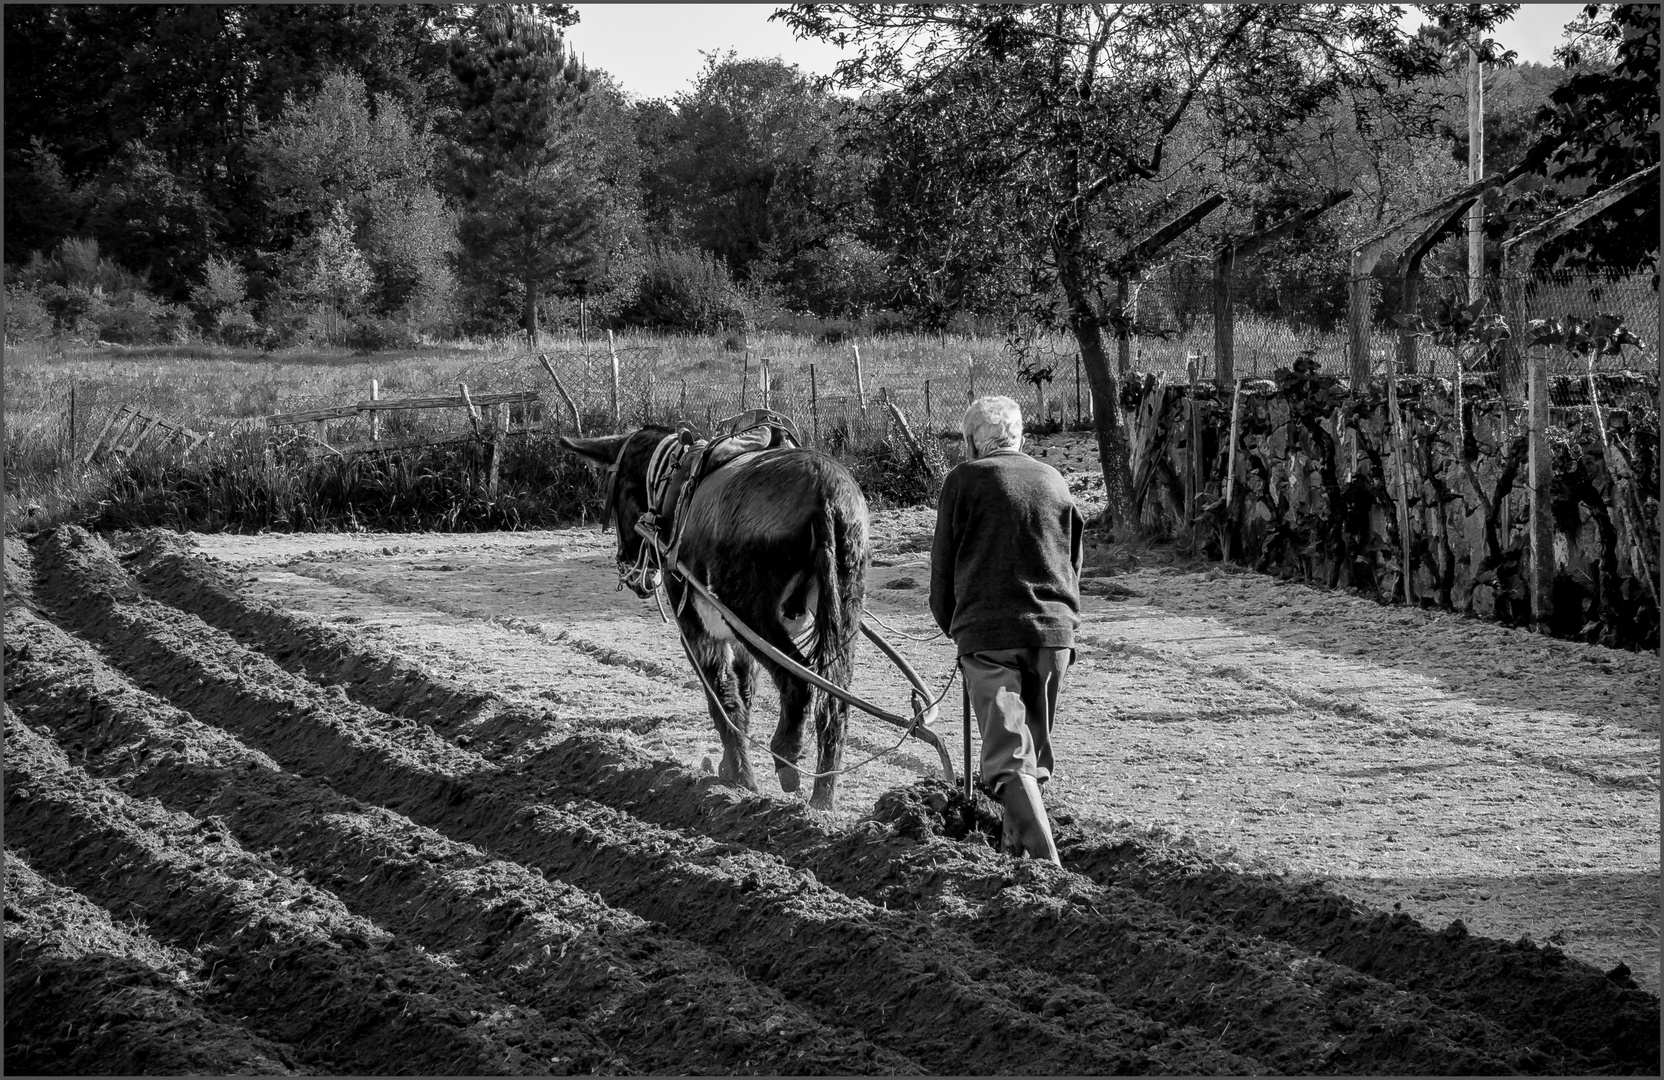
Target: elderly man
(1005,585)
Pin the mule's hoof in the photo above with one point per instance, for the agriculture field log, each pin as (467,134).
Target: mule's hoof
(823,801)
(706,766)
(790,780)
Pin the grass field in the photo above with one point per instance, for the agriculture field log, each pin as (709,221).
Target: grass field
(225,393)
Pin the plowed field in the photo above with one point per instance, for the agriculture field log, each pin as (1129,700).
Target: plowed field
(437,804)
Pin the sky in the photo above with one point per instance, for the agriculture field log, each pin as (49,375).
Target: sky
(654,49)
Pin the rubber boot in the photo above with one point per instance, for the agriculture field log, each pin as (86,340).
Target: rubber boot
(1028,831)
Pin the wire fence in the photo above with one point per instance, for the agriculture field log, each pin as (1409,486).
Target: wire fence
(834,389)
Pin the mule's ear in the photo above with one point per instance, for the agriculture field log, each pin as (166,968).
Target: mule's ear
(601,451)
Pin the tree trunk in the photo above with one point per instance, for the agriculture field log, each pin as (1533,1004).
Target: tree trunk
(1113,449)
(530,317)
(1087,324)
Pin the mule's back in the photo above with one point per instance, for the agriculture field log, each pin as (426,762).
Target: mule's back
(767,504)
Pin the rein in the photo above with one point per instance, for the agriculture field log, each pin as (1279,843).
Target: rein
(924,706)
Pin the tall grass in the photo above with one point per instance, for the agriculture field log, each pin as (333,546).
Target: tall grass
(248,477)
(224,392)
(248,486)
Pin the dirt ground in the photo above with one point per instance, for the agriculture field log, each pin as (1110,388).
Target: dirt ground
(376,803)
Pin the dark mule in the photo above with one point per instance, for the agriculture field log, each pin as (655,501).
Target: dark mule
(780,536)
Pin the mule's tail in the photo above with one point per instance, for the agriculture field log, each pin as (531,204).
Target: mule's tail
(840,568)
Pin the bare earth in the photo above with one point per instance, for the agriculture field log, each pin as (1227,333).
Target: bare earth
(1416,761)
(442,804)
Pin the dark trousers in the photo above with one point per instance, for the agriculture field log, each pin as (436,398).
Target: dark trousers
(1014,696)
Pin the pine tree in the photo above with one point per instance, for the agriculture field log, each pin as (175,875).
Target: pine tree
(522,164)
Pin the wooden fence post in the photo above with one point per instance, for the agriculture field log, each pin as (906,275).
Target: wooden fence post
(375,416)
(929,420)
(1230,462)
(1541,547)
(970,376)
(577,420)
(1192,488)
(814,403)
(1624,503)
(468,403)
(72,421)
(1224,328)
(763,384)
(499,420)
(860,380)
(1401,451)
(613,351)
(682,409)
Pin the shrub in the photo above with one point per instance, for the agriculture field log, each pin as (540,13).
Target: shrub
(370,334)
(27,317)
(685,289)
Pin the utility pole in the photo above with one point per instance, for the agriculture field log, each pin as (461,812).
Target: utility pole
(1476,172)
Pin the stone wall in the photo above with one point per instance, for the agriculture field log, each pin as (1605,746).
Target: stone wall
(1314,493)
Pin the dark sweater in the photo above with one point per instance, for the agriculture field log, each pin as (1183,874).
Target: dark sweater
(1005,565)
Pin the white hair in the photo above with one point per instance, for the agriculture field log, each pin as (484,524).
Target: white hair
(991,423)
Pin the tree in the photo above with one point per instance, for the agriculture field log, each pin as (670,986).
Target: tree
(336,275)
(522,165)
(193,84)
(1601,126)
(1068,133)
(333,148)
(746,166)
(152,220)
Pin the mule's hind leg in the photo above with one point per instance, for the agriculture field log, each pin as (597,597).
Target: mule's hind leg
(787,743)
(723,669)
(830,717)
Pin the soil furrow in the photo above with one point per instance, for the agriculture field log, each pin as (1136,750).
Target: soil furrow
(1313,1013)
(86,996)
(905,983)
(539,943)
(379,678)
(286,956)
(372,676)
(1535,993)
(1525,986)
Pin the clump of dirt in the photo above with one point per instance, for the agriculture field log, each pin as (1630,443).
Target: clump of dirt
(932,807)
